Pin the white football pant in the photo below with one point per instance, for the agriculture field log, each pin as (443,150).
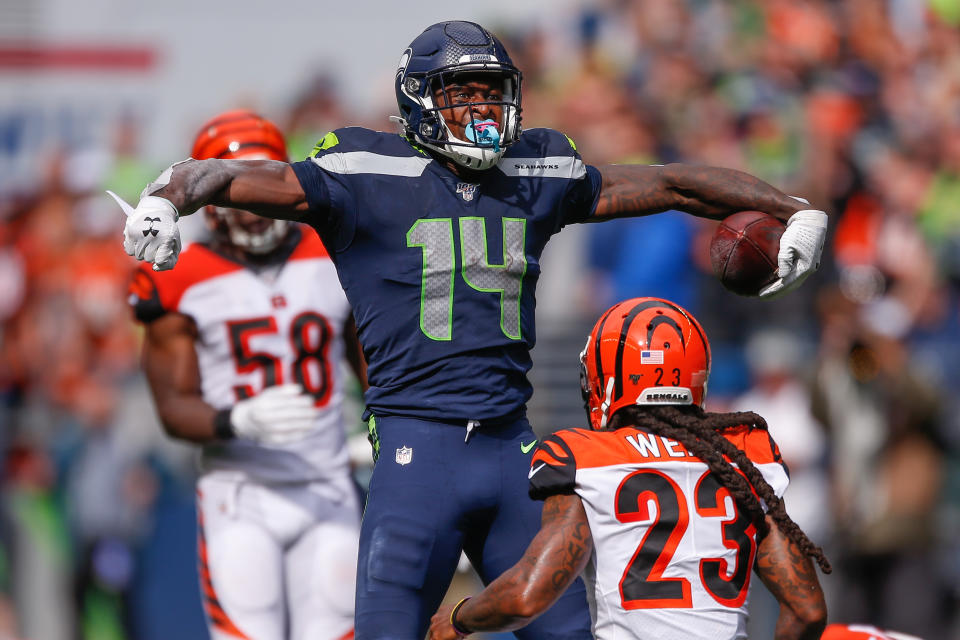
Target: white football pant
(278,561)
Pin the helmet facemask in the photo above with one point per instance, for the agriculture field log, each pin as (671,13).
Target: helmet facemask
(429,125)
(227,226)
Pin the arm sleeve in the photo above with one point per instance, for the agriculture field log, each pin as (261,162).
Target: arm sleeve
(553,469)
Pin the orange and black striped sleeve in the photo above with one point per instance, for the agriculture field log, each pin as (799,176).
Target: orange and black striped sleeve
(553,469)
(144,296)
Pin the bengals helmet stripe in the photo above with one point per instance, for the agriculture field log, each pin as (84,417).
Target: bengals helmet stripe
(643,351)
(603,321)
(624,330)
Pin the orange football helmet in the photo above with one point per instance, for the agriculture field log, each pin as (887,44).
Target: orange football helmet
(239,134)
(242,135)
(643,351)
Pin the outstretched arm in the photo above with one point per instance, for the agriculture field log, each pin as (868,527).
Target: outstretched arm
(554,559)
(707,192)
(266,187)
(714,192)
(791,578)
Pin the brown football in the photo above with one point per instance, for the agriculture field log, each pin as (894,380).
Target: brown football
(743,251)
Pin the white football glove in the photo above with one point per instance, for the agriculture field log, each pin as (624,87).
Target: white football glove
(277,415)
(800,247)
(151,232)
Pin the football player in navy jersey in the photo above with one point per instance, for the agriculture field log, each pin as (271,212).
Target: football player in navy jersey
(437,234)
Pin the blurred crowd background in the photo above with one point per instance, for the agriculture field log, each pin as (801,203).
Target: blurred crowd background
(854,105)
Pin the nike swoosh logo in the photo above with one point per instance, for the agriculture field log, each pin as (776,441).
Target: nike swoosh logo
(525,448)
(535,469)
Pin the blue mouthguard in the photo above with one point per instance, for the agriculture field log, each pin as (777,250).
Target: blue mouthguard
(484,133)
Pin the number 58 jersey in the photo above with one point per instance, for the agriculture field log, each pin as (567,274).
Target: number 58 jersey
(257,330)
(673,553)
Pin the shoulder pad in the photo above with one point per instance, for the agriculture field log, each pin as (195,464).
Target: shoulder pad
(758,444)
(553,469)
(545,142)
(348,139)
(166,288)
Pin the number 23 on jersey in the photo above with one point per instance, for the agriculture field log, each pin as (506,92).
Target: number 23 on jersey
(643,585)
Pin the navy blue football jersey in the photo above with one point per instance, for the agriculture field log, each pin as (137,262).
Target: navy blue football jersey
(441,273)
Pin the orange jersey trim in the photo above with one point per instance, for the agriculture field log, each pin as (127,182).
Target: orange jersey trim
(310,246)
(606,448)
(196,264)
(199,263)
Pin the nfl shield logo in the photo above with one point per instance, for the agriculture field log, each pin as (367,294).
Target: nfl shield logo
(404,455)
(466,190)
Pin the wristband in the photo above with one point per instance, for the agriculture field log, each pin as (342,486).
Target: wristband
(222,428)
(461,630)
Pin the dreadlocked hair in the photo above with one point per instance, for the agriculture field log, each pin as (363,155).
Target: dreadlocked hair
(700,433)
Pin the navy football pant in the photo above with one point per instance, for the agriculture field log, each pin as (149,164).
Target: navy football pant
(432,494)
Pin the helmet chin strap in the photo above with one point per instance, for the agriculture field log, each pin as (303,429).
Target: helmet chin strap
(605,405)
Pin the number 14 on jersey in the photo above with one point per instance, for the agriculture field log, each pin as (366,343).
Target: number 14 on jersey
(435,237)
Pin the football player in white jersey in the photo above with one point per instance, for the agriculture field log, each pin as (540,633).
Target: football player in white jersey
(247,362)
(665,508)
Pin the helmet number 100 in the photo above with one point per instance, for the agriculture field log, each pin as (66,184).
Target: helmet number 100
(435,237)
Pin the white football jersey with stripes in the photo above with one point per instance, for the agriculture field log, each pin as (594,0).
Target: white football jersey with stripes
(673,554)
(256,330)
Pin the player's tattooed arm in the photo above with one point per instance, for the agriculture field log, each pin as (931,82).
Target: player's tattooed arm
(554,559)
(265,187)
(789,575)
(170,362)
(707,192)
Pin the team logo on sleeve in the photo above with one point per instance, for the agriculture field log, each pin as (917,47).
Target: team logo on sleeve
(404,455)
(466,190)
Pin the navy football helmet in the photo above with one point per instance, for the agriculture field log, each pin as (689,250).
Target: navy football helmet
(431,62)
